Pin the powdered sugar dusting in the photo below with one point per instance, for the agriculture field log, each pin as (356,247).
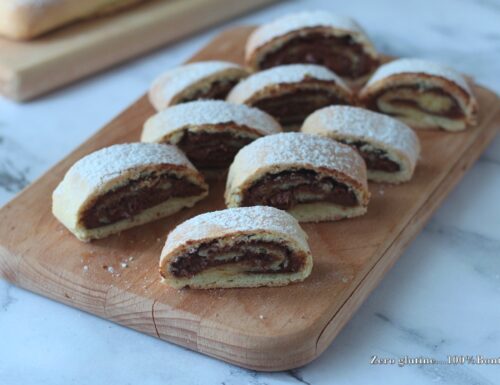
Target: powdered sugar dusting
(106,164)
(206,112)
(174,81)
(419,66)
(298,148)
(285,74)
(365,125)
(296,21)
(218,224)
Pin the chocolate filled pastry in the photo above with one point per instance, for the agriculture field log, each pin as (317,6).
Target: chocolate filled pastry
(209,132)
(194,81)
(423,94)
(123,186)
(389,147)
(291,92)
(239,247)
(312,177)
(318,37)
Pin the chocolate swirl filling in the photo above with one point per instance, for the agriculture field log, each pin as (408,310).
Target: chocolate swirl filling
(341,54)
(212,150)
(375,158)
(429,100)
(248,257)
(216,90)
(135,196)
(292,107)
(286,189)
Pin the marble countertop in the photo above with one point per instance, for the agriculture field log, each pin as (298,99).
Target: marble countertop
(440,299)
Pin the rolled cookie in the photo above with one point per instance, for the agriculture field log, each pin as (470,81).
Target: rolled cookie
(317,37)
(421,93)
(123,186)
(209,132)
(291,92)
(389,147)
(194,81)
(240,247)
(312,177)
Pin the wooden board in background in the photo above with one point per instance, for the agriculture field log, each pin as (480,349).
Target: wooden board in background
(28,69)
(266,328)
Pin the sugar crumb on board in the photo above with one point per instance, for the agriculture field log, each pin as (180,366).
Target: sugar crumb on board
(111,270)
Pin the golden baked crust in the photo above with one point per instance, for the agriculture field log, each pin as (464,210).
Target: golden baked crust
(278,153)
(108,169)
(374,135)
(434,96)
(232,230)
(27,19)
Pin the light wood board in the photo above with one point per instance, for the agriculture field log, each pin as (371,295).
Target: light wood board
(267,328)
(29,69)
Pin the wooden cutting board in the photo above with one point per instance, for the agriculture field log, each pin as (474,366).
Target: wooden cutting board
(28,69)
(267,328)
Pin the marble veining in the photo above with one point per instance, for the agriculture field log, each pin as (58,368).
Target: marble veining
(6,298)
(414,336)
(12,179)
(297,375)
(17,166)
(484,261)
(436,373)
(441,298)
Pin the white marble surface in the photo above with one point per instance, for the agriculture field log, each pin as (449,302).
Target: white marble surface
(441,298)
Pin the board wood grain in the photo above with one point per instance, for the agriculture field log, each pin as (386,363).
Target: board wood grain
(266,328)
(31,68)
